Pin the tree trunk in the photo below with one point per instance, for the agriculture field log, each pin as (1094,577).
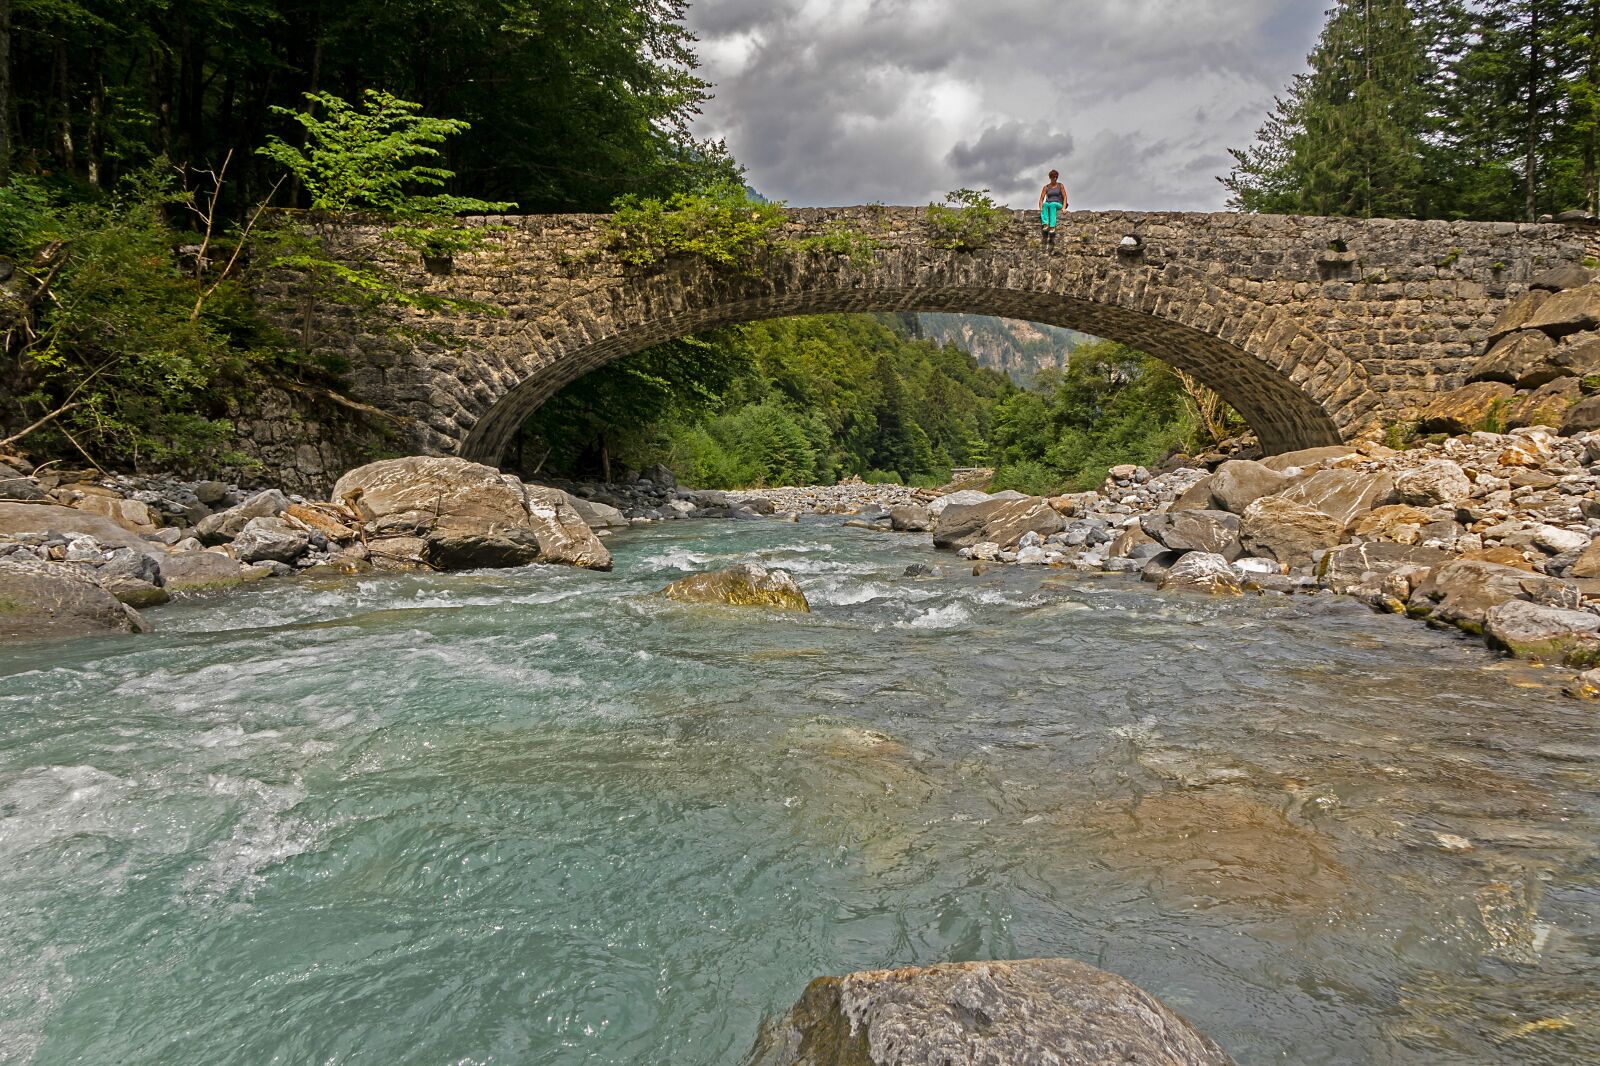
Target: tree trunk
(1591,140)
(1530,162)
(94,141)
(61,146)
(5,91)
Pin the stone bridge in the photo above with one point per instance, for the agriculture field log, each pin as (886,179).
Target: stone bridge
(1316,330)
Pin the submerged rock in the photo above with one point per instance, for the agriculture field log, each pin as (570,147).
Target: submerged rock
(1031,1012)
(745,585)
(1203,572)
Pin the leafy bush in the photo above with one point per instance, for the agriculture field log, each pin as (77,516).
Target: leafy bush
(843,239)
(968,221)
(1029,476)
(722,225)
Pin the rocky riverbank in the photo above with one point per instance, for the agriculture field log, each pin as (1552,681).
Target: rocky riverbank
(83,552)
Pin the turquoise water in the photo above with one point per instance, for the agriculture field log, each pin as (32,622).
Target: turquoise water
(541,817)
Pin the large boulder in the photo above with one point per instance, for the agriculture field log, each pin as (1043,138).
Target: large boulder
(1306,458)
(1581,417)
(132,515)
(1202,572)
(1521,355)
(1344,494)
(1350,565)
(1238,483)
(44,518)
(223,526)
(193,571)
(1398,522)
(1195,531)
(15,485)
(910,518)
(598,515)
(561,533)
(270,540)
(1290,532)
(1438,481)
(745,585)
(1468,408)
(1032,1012)
(1515,316)
(1462,593)
(1560,278)
(1547,634)
(466,515)
(1573,311)
(1002,521)
(963,498)
(40,600)
(1545,406)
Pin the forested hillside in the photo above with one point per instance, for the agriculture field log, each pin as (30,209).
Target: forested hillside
(1014,347)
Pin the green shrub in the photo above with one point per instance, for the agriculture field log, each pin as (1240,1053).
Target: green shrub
(882,477)
(1029,476)
(843,239)
(968,221)
(723,226)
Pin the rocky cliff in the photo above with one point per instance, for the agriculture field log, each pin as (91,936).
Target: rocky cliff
(1016,348)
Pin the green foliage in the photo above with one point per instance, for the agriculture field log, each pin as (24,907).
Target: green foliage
(723,225)
(842,239)
(968,221)
(572,103)
(369,158)
(1111,405)
(788,401)
(1438,109)
(113,338)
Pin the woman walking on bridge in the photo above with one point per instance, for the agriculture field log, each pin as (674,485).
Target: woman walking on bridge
(1052,201)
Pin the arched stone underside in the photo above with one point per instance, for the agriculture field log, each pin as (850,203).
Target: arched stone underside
(1315,330)
(1295,391)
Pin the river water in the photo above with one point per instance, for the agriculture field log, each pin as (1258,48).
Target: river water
(540,816)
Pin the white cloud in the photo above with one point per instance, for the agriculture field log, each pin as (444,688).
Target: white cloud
(855,101)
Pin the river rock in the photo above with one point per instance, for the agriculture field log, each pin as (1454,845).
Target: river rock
(910,518)
(1398,522)
(449,504)
(1560,278)
(1003,521)
(1515,316)
(1238,483)
(193,571)
(1466,409)
(745,585)
(1437,481)
(1520,356)
(1031,1012)
(42,518)
(963,498)
(1343,494)
(562,534)
(1573,311)
(223,526)
(58,600)
(1191,531)
(132,515)
(1307,458)
(1289,532)
(1547,634)
(1462,593)
(1351,565)
(1545,406)
(1559,541)
(316,519)
(1202,572)
(1581,417)
(599,515)
(15,485)
(264,539)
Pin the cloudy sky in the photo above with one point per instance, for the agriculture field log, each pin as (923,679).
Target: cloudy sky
(831,102)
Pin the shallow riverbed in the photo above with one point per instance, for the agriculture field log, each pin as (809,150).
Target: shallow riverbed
(539,816)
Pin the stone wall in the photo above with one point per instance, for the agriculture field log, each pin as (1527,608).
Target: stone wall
(302,440)
(1314,329)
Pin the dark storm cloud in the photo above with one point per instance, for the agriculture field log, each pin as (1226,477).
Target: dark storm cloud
(1010,155)
(853,101)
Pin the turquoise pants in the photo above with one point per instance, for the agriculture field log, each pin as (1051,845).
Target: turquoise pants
(1047,213)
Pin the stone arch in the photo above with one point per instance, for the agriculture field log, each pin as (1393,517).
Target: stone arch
(1292,387)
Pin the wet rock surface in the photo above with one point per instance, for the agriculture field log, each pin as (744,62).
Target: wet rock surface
(745,585)
(1031,1012)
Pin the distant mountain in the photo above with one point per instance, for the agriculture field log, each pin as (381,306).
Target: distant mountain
(1016,348)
